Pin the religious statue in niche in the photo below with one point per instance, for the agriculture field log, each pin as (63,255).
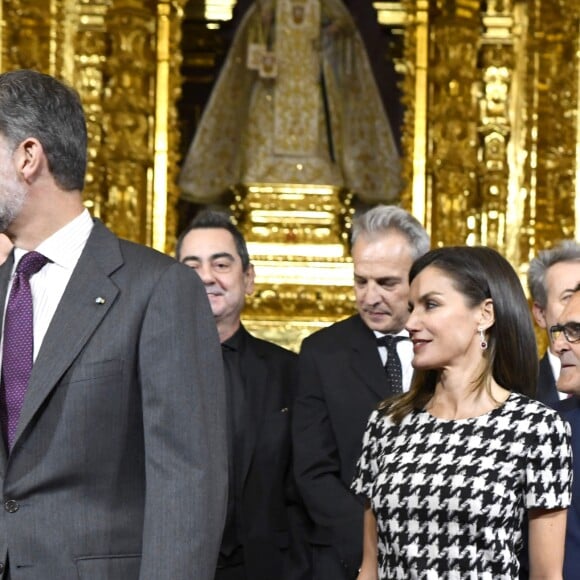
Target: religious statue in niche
(296,103)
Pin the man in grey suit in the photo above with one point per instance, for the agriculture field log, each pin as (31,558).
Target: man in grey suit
(114,465)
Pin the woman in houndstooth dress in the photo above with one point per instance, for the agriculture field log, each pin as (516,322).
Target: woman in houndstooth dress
(450,469)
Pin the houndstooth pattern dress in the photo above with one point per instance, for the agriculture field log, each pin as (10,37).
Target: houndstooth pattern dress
(450,495)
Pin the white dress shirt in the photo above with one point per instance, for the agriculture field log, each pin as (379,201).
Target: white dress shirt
(63,249)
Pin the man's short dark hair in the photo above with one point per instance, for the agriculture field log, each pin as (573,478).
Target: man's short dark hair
(36,105)
(214,219)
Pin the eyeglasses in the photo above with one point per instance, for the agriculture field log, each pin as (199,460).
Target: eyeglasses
(571,331)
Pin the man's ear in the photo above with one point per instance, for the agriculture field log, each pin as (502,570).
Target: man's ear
(29,159)
(539,315)
(250,276)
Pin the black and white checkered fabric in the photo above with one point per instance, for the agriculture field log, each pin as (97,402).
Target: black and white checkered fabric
(450,495)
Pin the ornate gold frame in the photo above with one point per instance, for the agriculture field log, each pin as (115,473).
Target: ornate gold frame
(124,59)
(491,136)
(492,130)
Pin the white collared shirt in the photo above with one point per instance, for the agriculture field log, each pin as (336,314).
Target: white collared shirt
(63,249)
(405,352)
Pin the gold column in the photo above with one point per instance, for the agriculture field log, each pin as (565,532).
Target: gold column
(494,127)
(416,197)
(128,113)
(518,194)
(88,62)
(162,106)
(2,27)
(577,208)
(168,91)
(453,119)
(26,34)
(552,134)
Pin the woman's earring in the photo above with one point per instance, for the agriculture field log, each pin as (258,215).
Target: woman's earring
(483,343)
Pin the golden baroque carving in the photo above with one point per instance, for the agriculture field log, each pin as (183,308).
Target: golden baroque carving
(128,114)
(452,163)
(28,41)
(173,132)
(288,313)
(301,301)
(90,56)
(294,214)
(408,90)
(552,134)
(497,62)
(476,157)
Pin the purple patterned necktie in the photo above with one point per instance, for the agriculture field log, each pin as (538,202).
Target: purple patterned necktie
(17,346)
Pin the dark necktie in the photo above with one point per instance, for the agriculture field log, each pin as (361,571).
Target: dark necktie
(17,344)
(393,368)
(235,409)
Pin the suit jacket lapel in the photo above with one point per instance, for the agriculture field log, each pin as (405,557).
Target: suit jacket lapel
(5,272)
(88,297)
(366,361)
(255,371)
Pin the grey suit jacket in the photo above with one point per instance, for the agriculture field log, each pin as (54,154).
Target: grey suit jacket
(119,471)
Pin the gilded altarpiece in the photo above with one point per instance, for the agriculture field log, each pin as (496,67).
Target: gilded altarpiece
(491,137)
(123,58)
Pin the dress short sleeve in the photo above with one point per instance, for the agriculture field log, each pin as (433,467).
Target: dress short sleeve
(549,466)
(366,468)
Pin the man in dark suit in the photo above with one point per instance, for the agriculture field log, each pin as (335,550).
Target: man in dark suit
(113,464)
(263,538)
(566,344)
(342,378)
(552,277)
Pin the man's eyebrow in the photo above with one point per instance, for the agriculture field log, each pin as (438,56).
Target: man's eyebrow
(378,278)
(219,255)
(216,256)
